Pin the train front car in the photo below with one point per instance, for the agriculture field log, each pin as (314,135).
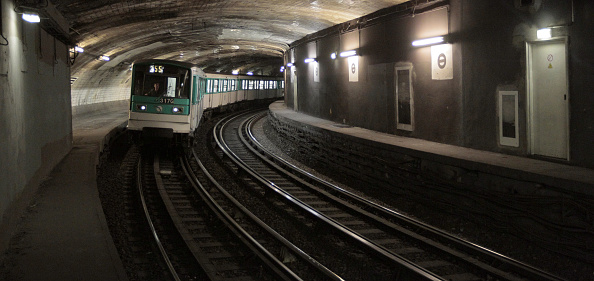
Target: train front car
(163,104)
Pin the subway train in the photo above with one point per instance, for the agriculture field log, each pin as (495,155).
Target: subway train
(170,98)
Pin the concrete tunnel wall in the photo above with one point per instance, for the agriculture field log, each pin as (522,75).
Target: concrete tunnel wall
(95,90)
(489,42)
(35,110)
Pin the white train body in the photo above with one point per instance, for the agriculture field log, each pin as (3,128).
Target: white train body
(169,98)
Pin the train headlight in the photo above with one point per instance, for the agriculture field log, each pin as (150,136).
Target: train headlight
(141,107)
(178,110)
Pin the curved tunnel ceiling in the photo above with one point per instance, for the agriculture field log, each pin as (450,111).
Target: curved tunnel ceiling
(217,35)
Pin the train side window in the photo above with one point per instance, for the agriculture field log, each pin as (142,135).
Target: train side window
(225,85)
(404,98)
(215,85)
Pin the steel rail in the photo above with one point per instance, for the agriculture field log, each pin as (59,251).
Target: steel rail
(270,259)
(150,222)
(443,237)
(408,268)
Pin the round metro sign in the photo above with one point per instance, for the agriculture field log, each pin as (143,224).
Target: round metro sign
(441,61)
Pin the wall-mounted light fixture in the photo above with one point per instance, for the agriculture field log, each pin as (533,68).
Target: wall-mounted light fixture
(282,69)
(349,53)
(308,60)
(104,58)
(428,41)
(47,16)
(31,17)
(290,64)
(333,56)
(235,72)
(544,33)
(73,53)
(250,73)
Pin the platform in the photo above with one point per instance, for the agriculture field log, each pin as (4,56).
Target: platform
(63,235)
(569,178)
(536,211)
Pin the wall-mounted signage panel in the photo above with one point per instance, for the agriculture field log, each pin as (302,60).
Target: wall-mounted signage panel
(353,68)
(441,62)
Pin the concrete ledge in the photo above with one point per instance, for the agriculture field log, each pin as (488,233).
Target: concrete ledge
(96,107)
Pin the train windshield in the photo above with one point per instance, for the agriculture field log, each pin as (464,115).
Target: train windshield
(161,80)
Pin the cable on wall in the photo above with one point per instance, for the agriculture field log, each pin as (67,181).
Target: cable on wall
(2,28)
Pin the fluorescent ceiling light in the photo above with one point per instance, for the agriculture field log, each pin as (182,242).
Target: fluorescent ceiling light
(250,73)
(104,58)
(333,56)
(78,49)
(428,41)
(308,60)
(544,33)
(31,17)
(348,53)
(235,72)
(290,64)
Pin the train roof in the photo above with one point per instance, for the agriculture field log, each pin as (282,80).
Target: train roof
(174,62)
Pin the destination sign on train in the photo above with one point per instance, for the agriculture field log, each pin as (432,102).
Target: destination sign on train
(156,68)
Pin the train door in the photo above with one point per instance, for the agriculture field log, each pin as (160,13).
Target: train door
(195,104)
(548,112)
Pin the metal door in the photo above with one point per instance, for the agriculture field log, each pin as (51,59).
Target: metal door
(548,98)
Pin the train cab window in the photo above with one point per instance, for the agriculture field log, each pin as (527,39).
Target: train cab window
(168,81)
(171,87)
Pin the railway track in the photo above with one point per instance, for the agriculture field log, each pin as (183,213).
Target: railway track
(154,174)
(411,249)
(202,233)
